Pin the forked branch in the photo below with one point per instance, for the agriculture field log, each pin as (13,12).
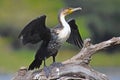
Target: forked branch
(75,68)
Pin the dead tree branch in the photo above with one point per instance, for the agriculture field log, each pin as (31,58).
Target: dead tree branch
(76,68)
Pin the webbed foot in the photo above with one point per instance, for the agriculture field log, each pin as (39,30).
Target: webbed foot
(56,64)
(47,71)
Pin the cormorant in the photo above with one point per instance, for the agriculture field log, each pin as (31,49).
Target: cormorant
(53,38)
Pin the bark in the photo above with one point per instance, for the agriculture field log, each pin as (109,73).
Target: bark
(76,68)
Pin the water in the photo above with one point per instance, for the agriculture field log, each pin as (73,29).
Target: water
(112,73)
(5,76)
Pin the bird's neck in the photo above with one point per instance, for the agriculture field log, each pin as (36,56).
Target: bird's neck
(65,31)
(62,21)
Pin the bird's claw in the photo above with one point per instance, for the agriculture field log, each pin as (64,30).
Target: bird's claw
(56,64)
(47,71)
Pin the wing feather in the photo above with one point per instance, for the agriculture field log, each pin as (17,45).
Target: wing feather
(75,37)
(35,31)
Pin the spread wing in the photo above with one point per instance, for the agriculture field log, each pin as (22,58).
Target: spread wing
(35,31)
(75,37)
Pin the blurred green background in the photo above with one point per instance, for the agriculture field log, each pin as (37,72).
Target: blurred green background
(99,20)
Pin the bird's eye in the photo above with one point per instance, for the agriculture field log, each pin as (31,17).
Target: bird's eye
(70,9)
(67,11)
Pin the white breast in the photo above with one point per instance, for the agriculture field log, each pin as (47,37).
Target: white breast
(64,33)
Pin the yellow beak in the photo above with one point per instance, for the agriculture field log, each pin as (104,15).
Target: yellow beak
(71,10)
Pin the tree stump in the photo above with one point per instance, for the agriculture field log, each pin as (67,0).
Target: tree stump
(76,68)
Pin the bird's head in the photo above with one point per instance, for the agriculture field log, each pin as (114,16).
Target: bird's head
(67,11)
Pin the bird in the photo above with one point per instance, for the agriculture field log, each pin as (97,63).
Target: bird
(51,38)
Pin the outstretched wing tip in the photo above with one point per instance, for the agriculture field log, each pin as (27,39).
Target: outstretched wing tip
(42,16)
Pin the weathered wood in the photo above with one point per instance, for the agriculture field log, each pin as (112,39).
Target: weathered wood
(75,68)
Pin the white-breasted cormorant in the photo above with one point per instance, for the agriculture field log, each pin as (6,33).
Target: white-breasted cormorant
(53,38)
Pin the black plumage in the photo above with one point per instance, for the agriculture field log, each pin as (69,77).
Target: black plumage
(37,31)
(75,37)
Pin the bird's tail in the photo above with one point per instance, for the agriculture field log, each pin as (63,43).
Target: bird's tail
(35,64)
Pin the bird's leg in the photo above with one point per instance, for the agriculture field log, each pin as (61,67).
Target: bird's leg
(44,63)
(54,59)
(55,64)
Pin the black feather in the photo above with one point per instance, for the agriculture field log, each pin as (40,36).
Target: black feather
(75,37)
(35,31)
(41,54)
(35,64)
